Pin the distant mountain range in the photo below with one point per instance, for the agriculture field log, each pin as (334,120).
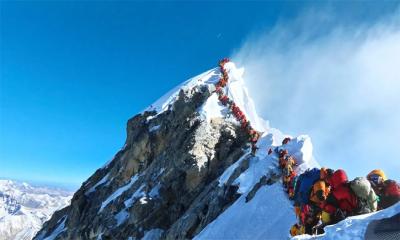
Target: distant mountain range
(24,208)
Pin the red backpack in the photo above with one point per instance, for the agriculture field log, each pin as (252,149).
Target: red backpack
(392,188)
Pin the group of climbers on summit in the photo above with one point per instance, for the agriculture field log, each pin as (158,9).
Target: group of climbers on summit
(325,196)
(235,110)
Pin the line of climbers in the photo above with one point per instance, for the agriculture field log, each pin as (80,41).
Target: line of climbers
(324,196)
(236,111)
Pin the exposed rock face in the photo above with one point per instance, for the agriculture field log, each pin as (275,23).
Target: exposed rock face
(163,182)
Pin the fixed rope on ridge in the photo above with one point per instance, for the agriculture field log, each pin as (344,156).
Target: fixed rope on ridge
(236,111)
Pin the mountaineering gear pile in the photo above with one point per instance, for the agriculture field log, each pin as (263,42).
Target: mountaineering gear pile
(236,111)
(324,196)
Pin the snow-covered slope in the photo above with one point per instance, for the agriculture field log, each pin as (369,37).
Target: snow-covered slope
(24,208)
(269,214)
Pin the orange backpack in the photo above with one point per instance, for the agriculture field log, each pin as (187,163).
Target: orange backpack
(319,192)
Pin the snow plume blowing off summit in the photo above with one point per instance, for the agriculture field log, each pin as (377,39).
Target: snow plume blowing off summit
(339,84)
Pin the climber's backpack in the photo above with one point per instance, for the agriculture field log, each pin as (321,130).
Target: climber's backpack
(319,192)
(391,194)
(392,188)
(361,187)
(304,185)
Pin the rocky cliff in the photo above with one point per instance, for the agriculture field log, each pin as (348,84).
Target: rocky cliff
(164,181)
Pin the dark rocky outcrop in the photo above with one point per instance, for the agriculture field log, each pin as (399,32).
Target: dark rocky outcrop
(165,178)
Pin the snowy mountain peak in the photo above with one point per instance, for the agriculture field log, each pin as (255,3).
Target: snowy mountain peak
(235,89)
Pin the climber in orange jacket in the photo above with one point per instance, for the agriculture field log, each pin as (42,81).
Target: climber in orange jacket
(297,229)
(288,171)
(282,154)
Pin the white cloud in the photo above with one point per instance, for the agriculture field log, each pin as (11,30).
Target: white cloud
(339,84)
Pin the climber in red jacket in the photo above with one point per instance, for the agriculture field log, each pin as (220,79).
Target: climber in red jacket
(286,140)
(223,80)
(390,194)
(223,62)
(341,201)
(224,99)
(244,123)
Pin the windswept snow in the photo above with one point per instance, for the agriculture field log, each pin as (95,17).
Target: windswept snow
(229,171)
(136,195)
(119,192)
(154,128)
(266,216)
(101,182)
(237,91)
(162,104)
(153,234)
(60,228)
(155,191)
(269,214)
(212,108)
(121,216)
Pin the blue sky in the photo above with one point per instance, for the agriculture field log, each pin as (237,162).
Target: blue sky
(73,73)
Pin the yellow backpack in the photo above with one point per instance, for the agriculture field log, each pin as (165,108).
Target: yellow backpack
(297,229)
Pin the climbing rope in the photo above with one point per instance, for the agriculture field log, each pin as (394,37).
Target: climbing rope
(253,135)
